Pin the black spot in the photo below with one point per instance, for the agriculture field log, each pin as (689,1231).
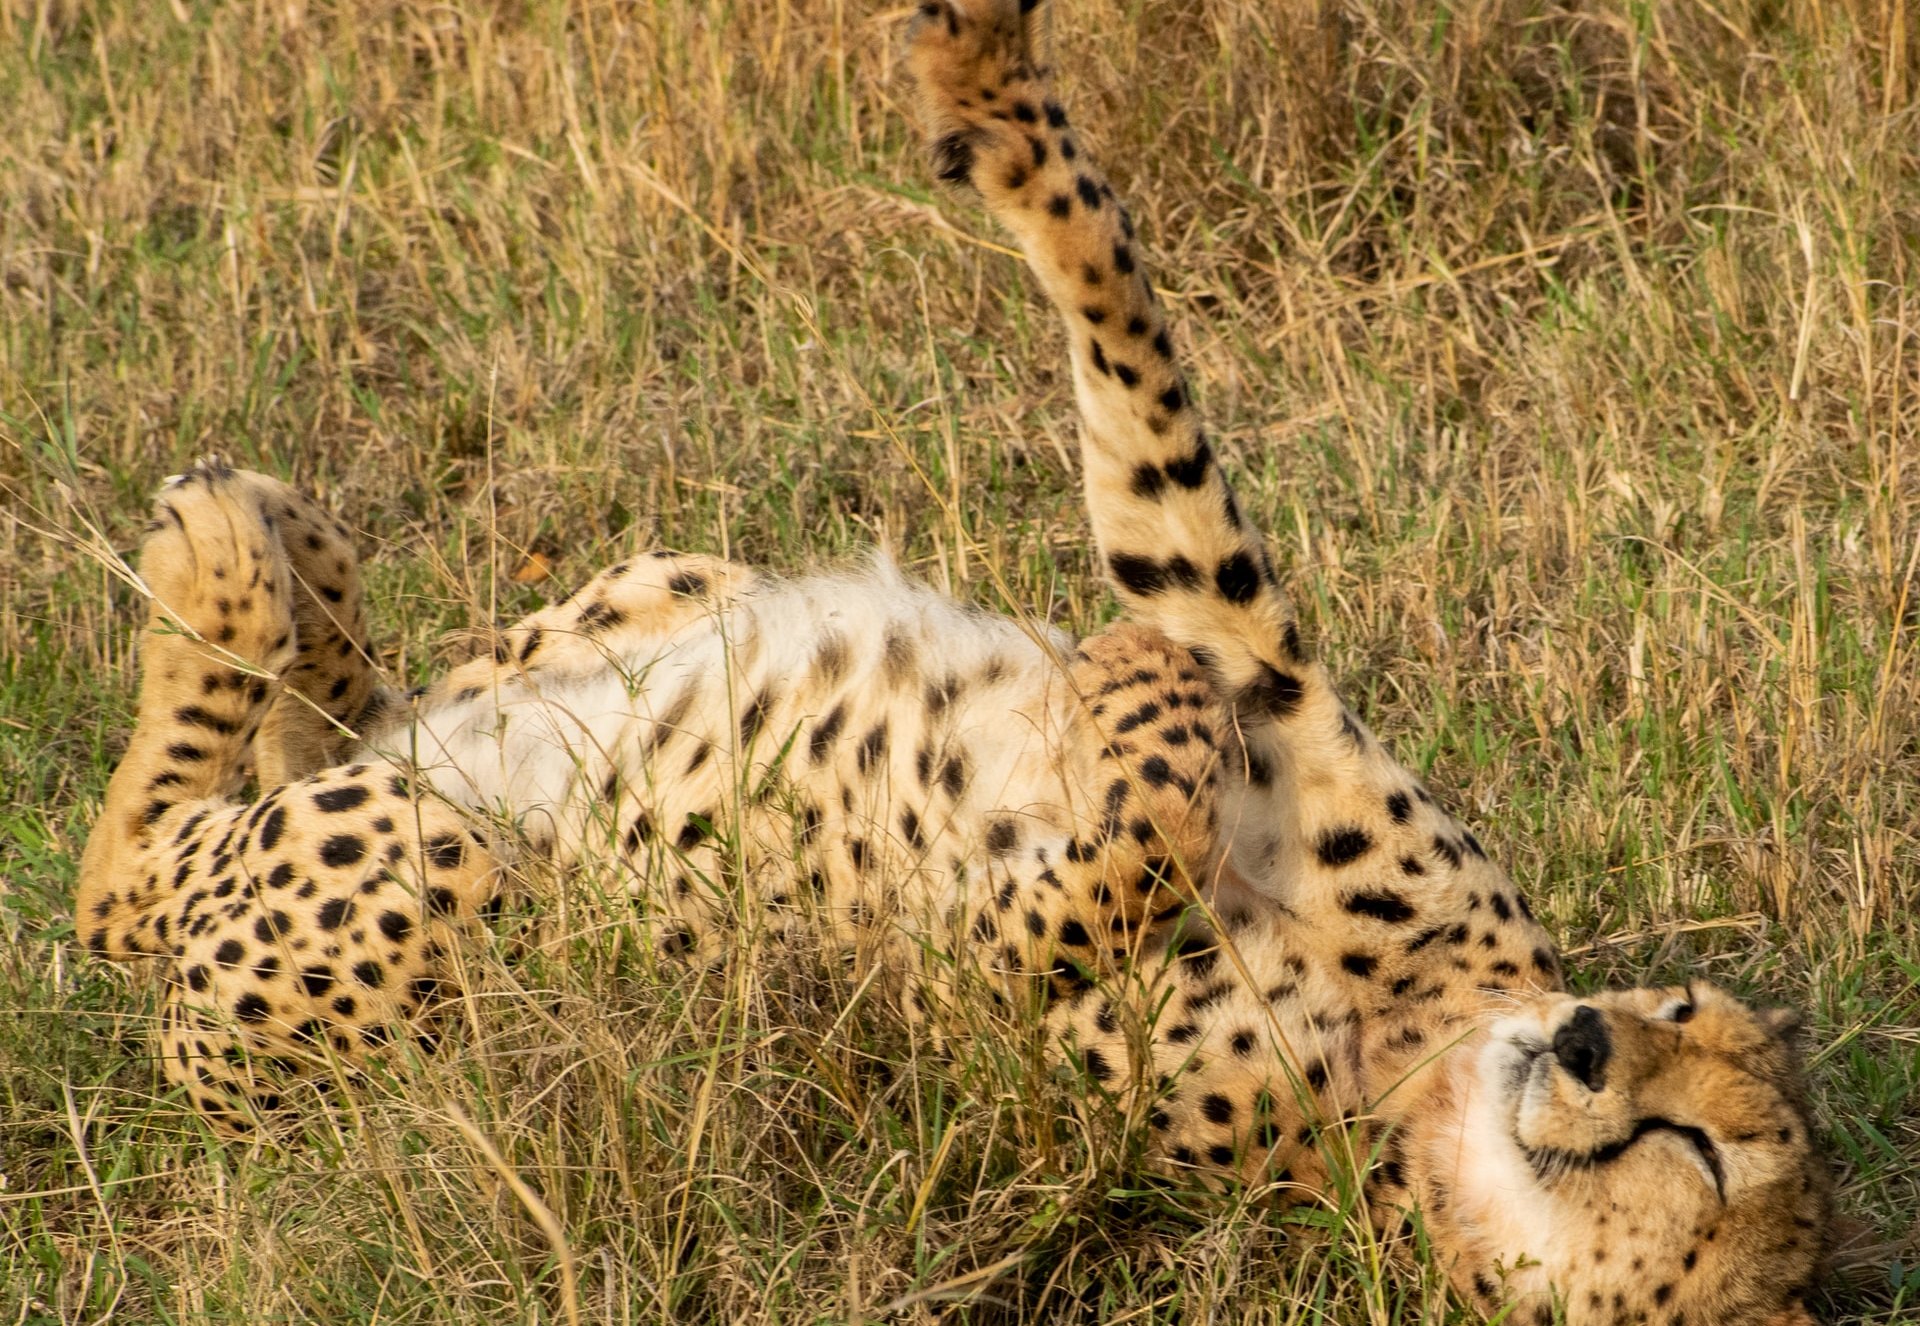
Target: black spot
(872,747)
(1216,1108)
(1338,847)
(1277,693)
(953,775)
(395,925)
(316,981)
(1024,112)
(272,827)
(445,852)
(230,952)
(334,913)
(342,850)
(953,156)
(1360,964)
(1056,117)
(1198,962)
(1398,807)
(250,1007)
(1140,575)
(826,732)
(333,800)
(1191,471)
(691,832)
(1316,1075)
(1003,835)
(1129,375)
(1097,1066)
(599,616)
(1122,259)
(269,928)
(1389,907)
(1074,934)
(1173,399)
(1060,206)
(1501,907)
(369,974)
(1237,578)
(195,716)
(1089,193)
(1147,480)
(753,718)
(1424,938)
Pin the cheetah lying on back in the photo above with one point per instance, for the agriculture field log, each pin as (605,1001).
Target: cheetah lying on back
(1171,846)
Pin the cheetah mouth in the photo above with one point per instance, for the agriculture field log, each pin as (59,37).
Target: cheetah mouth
(1552,1162)
(1531,1058)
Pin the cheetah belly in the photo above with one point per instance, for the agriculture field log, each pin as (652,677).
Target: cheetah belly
(877,711)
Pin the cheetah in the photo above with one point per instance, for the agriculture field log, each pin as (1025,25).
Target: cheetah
(1170,847)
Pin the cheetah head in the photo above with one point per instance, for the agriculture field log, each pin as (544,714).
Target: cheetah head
(1646,1154)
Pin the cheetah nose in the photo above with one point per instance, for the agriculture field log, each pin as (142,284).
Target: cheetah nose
(1583,1047)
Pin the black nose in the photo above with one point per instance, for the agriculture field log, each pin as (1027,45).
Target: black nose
(1582,1047)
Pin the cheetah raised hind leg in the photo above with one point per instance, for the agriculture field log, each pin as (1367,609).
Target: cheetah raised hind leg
(220,630)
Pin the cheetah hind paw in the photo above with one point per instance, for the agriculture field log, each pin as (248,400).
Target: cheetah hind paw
(212,566)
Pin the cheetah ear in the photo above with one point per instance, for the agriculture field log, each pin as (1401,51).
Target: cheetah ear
(1784,1023)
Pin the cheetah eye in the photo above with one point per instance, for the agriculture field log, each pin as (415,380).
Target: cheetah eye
(1678,1010)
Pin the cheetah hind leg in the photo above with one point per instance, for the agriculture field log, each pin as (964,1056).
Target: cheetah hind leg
(330,687)
(220,629)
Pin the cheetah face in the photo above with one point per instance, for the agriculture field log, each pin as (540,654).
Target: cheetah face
(1660,1143)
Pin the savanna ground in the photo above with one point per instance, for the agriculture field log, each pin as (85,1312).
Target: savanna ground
(1568,352)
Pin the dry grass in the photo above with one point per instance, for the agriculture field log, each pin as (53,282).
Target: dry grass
(1567,350)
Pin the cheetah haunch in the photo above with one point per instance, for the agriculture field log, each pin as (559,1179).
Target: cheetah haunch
(1171,845)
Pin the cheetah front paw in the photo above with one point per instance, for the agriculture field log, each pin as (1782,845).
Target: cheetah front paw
(974,62)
